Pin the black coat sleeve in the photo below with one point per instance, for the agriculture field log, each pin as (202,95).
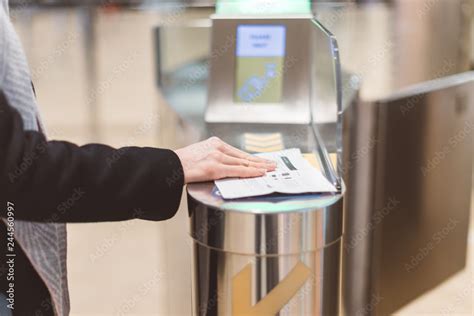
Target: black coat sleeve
(53,181)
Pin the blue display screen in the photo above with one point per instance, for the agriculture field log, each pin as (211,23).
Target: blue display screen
(261,40)
(260,56)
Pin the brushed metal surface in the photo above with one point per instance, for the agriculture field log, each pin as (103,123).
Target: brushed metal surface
(314,138)
(293,135)
(294,107)
(217,223)
(389,47)
(432,182)
(271,236)
(408,201)
(213,271)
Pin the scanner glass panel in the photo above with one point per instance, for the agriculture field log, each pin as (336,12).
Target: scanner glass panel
(260,56)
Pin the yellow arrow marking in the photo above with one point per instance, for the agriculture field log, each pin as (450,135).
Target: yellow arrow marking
(262,137)
(263,150)
(250,142)
(261,143)
(274,301)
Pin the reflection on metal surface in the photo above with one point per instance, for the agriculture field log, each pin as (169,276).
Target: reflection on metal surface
(182,67)
(208,194)
(301,90)
(275,300)
(292,136)
(260,143)
(390,47)
(270,238)
(408,201)
(294,105)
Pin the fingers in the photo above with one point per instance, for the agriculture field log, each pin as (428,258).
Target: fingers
(235,163)
(229,160)
(234,152)
(232,171)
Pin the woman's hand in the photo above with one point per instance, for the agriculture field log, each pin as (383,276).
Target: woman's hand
(213,159)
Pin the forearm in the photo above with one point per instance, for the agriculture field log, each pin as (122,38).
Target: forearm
(62,182)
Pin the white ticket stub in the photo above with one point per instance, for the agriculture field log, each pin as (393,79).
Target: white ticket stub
(293,175)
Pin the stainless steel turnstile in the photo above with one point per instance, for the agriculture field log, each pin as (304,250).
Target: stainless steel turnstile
(409,179)
(273,255)
(265,256)
(399,191)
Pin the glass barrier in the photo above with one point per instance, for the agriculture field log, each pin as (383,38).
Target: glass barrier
(326,100)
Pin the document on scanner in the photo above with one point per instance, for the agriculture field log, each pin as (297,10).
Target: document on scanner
(293,175)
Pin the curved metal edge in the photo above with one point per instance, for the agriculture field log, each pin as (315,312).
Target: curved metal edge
(265,234)
(203,192)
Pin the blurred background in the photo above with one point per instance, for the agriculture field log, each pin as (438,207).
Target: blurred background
(104,71)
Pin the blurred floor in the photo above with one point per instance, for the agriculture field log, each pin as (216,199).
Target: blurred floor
(137,267)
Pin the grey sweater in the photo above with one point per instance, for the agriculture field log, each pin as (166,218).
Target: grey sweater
(43,243)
